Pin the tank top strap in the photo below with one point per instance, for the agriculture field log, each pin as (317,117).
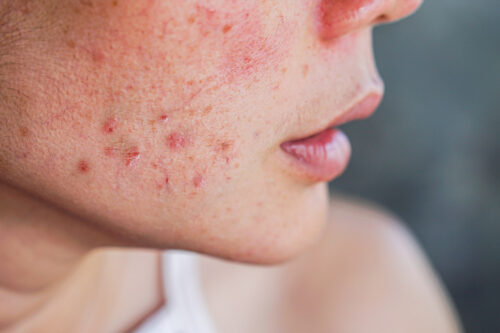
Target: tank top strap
(185,310)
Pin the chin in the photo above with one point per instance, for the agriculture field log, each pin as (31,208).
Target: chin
(281,236)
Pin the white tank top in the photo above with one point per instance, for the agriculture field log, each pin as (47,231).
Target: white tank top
(185,311)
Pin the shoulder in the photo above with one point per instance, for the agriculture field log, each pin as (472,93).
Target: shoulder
(367,273)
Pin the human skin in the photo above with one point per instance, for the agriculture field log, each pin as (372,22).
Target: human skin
(158,123)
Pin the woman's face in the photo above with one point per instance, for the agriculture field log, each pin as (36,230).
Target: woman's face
(163,121)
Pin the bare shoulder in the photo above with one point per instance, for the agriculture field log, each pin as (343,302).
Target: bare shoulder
(367,274)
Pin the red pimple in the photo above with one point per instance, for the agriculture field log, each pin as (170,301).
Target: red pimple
(132,155)
(198,180)
(176,140)
(83,166)
(164,118)
(110,125)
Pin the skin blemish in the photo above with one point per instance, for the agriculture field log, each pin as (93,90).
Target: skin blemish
(176,141)
(226,28)
(253,47)
(164,118)
(110,125)
(110,151)
(198,180)
(97,55)
(132,156)
(23,131)
(225,146)
(83,166)
(71,44)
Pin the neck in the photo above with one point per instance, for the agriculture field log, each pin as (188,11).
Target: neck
(46,266)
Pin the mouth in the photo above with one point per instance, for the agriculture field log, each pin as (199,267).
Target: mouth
(325,154)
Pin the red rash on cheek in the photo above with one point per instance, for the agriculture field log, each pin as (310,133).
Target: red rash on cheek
(249,45)
(251,49)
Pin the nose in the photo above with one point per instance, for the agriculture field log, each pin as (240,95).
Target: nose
(335,18)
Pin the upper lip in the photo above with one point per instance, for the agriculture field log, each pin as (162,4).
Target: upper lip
(363,108)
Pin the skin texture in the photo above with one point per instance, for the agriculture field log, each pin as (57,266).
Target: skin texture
(142,127)
(158,124)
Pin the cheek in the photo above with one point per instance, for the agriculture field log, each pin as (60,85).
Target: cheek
(143,78)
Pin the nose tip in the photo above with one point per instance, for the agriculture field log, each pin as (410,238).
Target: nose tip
(336,18)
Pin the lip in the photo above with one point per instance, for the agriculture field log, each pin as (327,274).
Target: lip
(325,154)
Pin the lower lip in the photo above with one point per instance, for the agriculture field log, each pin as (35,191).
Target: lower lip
(321,157)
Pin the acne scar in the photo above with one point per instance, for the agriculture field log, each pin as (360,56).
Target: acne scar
(176,141)
(132,156)
(83,166)
(110,125)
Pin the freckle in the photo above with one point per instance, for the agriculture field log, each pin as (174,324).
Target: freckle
(110,125)
(25,11)
(115,3)
(283,70)
(87,3)
(305,70)
(198,180)
(226,28)
(191,20)
(71,44)
(23,131)
(83,166)
(132,155)
(176,141)
(154,165)
(208,109)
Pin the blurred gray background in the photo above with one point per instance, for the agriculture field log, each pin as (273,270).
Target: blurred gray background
(431,153)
